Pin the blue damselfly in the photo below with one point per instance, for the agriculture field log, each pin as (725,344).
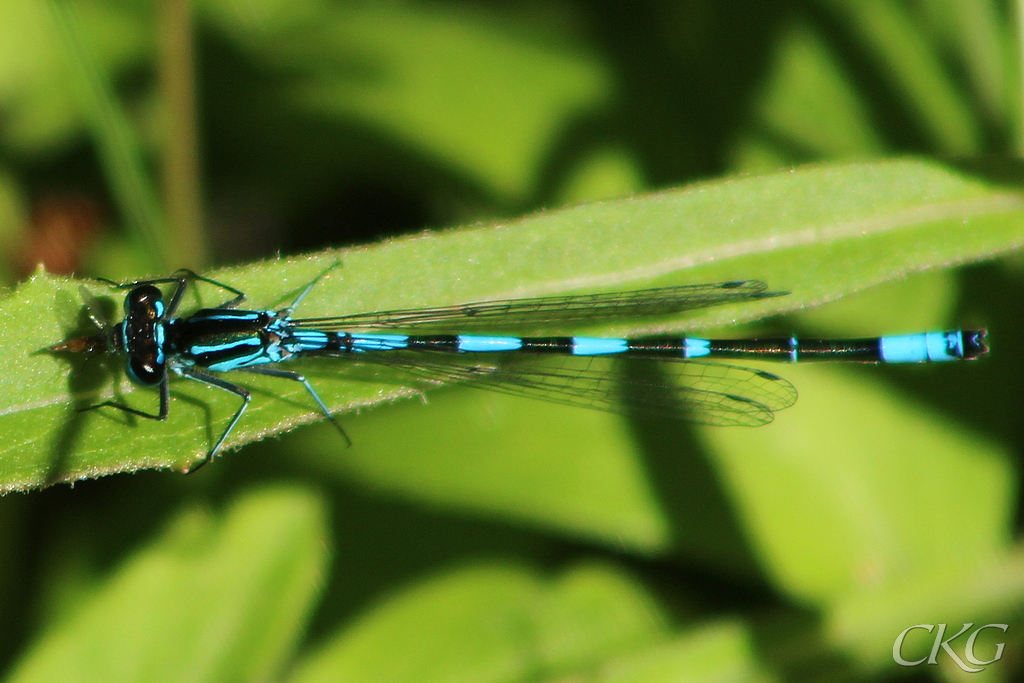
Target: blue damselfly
(439,346)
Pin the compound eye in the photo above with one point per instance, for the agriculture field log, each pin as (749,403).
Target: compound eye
(145,297)
(145,371)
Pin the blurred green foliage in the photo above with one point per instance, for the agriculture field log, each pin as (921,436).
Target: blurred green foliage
(481,537)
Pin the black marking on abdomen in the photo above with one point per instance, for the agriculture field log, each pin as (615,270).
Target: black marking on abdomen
(448,343)
(559,345)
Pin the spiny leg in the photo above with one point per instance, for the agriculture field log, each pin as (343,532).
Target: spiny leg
(296,377)
(181,278)
(241,392)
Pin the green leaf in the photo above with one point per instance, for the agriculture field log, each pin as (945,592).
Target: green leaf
(865,624)
(506,623)
(861,488)
(818,232)
(565,469)
(212,600)
(927,300)
(722,651)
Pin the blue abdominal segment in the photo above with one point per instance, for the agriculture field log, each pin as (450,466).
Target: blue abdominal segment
(480,344)
(923,347)
(596,346)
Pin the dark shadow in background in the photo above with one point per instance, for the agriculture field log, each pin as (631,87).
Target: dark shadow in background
(291,180)
(989,395)
(686,74)
(680,102)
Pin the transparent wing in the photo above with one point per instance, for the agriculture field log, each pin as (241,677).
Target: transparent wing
(703,393)
(517,313)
